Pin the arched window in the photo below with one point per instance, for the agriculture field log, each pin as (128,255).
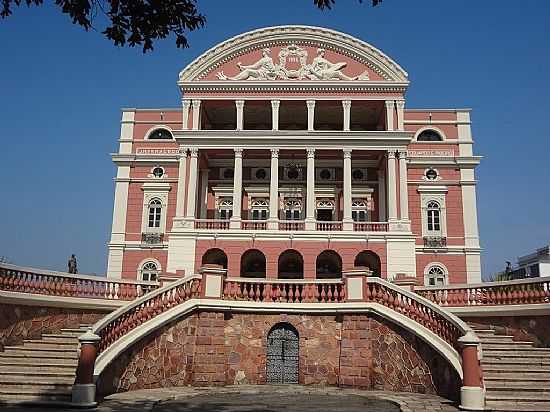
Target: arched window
(291,265)
(429,135)
(328,265)
(436,276)
(155,211)
(434,216)
(293,209)
(259,209)
(215,256)
(225,209)
(369,259)
(160,134)
(359,210)
(149,271)
(253,264)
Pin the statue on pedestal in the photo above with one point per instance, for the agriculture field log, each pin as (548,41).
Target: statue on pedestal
(72,265)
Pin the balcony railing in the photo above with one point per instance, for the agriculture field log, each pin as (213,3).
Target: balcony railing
(329,226)
(254,224)
(151,239)
(435,242)
(218,224)
(370,226)
(292,225)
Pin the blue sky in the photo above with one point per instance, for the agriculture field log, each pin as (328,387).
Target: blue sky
(61,90)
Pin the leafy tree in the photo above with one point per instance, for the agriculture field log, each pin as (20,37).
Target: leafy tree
(136,22)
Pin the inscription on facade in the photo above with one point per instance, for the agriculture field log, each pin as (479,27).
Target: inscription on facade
(157,151)
(430,153)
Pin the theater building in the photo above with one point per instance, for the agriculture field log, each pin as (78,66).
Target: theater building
(294,154)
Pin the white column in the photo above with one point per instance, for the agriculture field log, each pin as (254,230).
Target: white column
(347,222)
(346,105)
(381,196)
(310,190)
(192,187)
(400,114)
(392,189)
(182,176)
(240,118)
(196,114)
(237,189)
(310,114)
(389,114)
(186,104)
(275,104)
(403,188)
(274,191)
(204,194)
(118,232)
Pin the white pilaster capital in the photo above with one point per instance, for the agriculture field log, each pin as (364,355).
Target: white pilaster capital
(238,152)
(310,152)
(347,153)
(391,154)
(275,104)
(389,104)
(182,150)
(400,104)
(239,104)
(310,104)
(402,154)
(274,153)
(194,151)
(186,103)
(346,104)
(196,103)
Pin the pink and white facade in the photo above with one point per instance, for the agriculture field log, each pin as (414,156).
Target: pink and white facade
(293,155)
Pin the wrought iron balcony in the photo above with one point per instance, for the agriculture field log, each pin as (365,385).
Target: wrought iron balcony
(435,241)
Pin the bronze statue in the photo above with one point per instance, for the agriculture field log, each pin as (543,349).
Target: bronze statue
(72,265)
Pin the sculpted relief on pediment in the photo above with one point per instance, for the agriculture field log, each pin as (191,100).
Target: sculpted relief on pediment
(292,65)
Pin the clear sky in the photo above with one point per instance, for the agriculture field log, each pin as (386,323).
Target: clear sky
(61,90)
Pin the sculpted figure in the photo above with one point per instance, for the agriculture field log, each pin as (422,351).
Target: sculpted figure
(323,69)
(263,69)
(72,265)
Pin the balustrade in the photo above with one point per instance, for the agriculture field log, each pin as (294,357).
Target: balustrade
(514,292)
(291,225)
(211,224)
(254,224)
(35,281)
(329,226)
(370,226)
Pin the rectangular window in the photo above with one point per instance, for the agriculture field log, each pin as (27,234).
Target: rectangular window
(433,221)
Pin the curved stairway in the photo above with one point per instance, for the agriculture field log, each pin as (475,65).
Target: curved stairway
(40,370)
(516,374)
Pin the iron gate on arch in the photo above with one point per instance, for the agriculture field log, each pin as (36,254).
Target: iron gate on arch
(282,354)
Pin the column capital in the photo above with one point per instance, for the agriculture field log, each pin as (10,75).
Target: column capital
(346,104)
(274,152)
(238,152)
(310,104)
(391,154)
(194,151)
(400,104)
(239,103)
(185,103)
(182,150)
(402,154)
(347,153)
(196,102)
(310,152)
(389,104)
(275,103)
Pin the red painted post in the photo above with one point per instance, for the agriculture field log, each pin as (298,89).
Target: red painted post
(472,394)
(83,392)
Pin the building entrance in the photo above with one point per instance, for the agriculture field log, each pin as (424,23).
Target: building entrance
(282,354)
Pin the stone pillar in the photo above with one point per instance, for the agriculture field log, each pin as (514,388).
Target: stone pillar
(196,114)
(310,114)
(240,118)
(83,391)
(192,187)
(186,104)
(400,114)
(355,281)
(382,196)
(213,277)
(346,105)
(389,114)
(472,394)
(274,191)
(347,222)
(235,222)
(310,189)
(275,104)
(204,194)
(392,187)
(182,176)
(403,187)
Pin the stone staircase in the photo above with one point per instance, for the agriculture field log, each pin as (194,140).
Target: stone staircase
(40,370)
(516,374)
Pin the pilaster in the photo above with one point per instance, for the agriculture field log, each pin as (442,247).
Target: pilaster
(240,118)
(310,114)
(400,114)
(390,107)
(346,106)
(192,187)
(310,204)
(196,114)
(186,104)
(274,191)
(275,104)
(235,222)
(347,222)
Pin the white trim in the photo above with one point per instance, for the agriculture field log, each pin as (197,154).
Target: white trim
(430,127)
(139,274)
(431,265)
(147,134)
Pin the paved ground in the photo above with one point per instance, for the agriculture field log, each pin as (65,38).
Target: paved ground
(244,398)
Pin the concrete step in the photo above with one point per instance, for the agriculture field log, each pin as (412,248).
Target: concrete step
(40,353)
(495,386)
(532,352)
(513,406)
(20,393)
(491,376)
(499,340)
(507,346)
(29,368)
(60,338)
(36,378)
(521,369)
(38,344)
(34,387)
(515,362)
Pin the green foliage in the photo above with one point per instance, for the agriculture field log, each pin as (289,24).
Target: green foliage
(137,22)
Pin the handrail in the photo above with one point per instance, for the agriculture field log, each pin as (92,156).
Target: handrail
(15,278)
(119,322)
(512,292)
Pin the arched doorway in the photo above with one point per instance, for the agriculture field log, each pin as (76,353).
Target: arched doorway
(282,354)
(291,265)
(215,257)
(328,265)
(253,264)
(369,259)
